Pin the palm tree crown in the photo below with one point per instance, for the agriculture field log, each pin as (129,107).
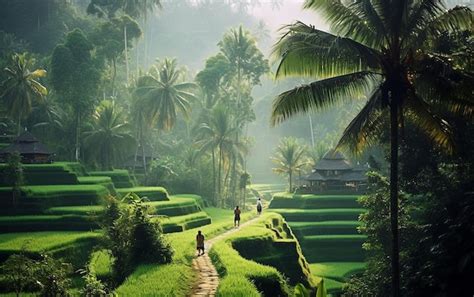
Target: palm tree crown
(290,157)
(111,136)
(163,93)
(21,88)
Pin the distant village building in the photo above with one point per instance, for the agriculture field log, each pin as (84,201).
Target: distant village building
(137,163)
(335,174)
(30,149)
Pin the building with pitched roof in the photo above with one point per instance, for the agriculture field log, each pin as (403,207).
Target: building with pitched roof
(30,149)
(335,174)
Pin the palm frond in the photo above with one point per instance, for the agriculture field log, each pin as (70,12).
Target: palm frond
(456,19)
(364,129)
(418,112)
(349,21)
(305,51)
(320,94)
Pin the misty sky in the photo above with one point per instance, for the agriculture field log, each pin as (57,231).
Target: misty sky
(290,11)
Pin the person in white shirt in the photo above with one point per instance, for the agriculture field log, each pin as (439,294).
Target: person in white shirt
(259,205)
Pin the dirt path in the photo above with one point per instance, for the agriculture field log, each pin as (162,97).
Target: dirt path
(208,279)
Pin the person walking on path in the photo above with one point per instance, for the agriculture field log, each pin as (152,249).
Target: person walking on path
(236,216)
(259,206)
(200,243)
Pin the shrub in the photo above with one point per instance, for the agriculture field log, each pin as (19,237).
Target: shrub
(133,238)
(18,273)
(92,285)
(46,275)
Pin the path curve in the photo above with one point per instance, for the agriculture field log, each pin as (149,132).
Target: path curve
(208,278)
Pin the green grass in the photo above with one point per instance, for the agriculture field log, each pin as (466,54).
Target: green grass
(120,177)
(339,271)
(175,279)
(74,247)
(38,198)
(83,210)
(270,241)
(101,263)
(317,215)
(287,200)
(32,223)
(105,181)
(41,241)
(185,222)
(176,206)
(244,277)
(151,193)
(44,174)
(302,229)
(333,248)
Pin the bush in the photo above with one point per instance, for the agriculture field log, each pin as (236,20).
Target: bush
(133,238)
(46,275)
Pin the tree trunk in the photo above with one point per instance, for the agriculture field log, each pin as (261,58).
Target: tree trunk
(126,53)
(77,150)
(214,198)
(114,64)
(18,125)
(219,173)
(394,197)
(290,175)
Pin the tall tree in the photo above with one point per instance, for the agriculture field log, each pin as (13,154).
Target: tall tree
(382,47)
(160,95)
(164,92)
(217,134)
(246,64)
(110,138)
(290,158)
(75,76)
(21,88)
(111,41)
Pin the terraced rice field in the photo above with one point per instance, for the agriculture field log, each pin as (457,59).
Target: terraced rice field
(326,227)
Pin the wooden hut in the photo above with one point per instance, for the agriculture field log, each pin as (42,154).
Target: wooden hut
(31,150)
(335,174)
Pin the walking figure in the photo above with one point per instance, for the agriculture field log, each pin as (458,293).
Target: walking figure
(259,206)
(200,243)
(236,216)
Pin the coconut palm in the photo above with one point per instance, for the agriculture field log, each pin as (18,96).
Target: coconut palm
(21,88)
(217,135)
(382,48)
(164,93)
(290,158)
(110,136)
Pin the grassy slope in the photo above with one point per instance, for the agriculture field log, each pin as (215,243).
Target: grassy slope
(326,226)
(265,237)
(174,278)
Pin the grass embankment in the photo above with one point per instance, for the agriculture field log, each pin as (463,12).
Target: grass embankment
(270,245)
(174,279)
(74,247)
(36,199)
(326,227)
(45,174)
(120,177)
(150,193)
(265,191)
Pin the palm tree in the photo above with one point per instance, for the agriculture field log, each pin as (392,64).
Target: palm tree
(110,136)
(290,157)
(217,135)
(21,88)
(163,93)
(381,47)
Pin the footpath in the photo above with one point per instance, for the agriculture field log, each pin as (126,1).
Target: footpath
(208,279)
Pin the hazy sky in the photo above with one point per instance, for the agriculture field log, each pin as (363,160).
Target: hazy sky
(290,11)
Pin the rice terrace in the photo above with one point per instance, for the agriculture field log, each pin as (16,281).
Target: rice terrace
(239,148)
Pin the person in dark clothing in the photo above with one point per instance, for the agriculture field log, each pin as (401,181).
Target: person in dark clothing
(236,216)
(200,243)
